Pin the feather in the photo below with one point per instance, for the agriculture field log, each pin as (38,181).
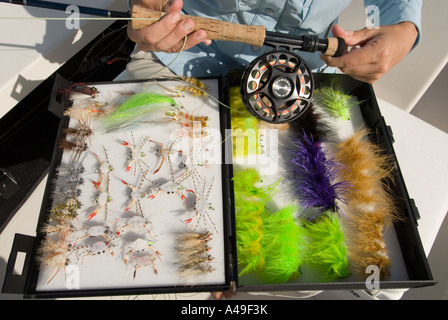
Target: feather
(244,126)
(314,176)
(192,253)
(53,254)
(139,108)
(283,245)
(249,234)
(250,203)
(313,124)
(326,248)
(335,102)
(249,183)
(370,206)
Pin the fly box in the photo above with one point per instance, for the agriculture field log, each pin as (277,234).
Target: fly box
(147,193)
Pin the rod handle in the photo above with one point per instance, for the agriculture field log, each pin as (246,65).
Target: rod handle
(216,29)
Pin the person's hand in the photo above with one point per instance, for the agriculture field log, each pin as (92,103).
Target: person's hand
(169,33)
(379,50)
(226,294)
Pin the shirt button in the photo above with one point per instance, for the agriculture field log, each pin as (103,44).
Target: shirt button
(269,11)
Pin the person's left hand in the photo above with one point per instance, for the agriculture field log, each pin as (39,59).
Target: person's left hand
(220,295)
(379,50)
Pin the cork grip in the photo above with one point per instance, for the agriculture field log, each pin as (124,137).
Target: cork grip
(336,47)
(216,29)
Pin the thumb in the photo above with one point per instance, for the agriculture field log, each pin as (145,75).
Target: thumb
(354,38)
(173,5)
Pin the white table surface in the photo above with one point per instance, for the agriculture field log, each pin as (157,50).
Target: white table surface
(421,149)
(31,49)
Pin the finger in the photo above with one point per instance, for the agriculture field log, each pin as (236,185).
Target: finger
(196,38)
(372,78)
(352,59)
(354,38)
(173,41)
(229,294)
(367,73)
(172,6)
(168,34)
(217,295)
(161,28)
(368,69)
(152,34)
(339,32)
(176,42)
(165,5)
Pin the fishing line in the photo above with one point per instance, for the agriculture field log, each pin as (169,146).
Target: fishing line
(75,18)
(175,58)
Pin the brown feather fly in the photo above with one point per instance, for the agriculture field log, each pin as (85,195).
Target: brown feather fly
(370,207)
(53,254)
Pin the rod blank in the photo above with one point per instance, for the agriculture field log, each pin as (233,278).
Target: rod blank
(63,7)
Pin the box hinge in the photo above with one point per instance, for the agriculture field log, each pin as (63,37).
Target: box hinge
(19,262)
(414,209)
(59,98)
(390,134)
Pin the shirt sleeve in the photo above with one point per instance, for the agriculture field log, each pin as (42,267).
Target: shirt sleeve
(396,11)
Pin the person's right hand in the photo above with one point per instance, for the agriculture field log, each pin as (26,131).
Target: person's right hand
(169,33)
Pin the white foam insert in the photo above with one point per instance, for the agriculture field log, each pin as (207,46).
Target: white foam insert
(165,213)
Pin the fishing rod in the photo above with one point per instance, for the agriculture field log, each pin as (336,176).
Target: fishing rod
(216,29)
(277,87)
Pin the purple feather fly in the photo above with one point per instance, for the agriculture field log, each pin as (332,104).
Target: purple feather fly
(315,175)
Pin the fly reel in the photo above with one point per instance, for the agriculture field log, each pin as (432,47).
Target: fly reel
(277,87)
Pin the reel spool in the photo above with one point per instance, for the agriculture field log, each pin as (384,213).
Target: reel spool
(277,87)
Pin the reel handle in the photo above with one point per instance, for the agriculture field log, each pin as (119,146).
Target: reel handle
(216,29)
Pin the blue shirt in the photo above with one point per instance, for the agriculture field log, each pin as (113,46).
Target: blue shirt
(285,16)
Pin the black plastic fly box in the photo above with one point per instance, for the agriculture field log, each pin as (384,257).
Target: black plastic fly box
(140,195)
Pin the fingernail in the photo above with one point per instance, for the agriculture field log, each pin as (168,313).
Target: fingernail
(200,36)
(203,38)
(188,25)
(167,5)
(175,18)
